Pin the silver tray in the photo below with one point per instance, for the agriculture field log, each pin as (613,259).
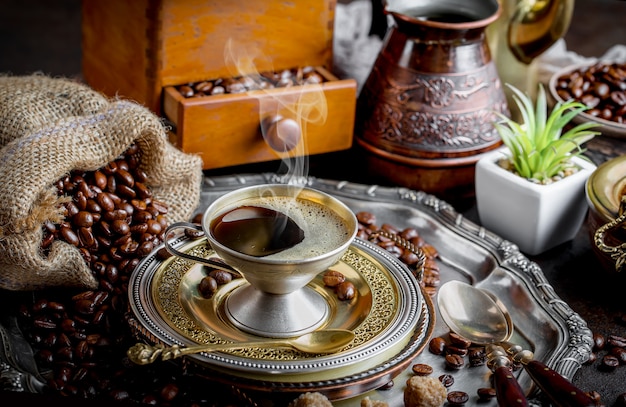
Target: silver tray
(544,323)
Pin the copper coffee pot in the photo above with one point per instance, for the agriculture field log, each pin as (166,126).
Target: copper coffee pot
(425,113)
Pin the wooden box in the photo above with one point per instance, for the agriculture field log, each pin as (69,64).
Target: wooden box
(143,49)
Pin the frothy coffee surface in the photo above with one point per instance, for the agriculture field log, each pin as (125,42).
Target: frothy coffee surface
(324,230)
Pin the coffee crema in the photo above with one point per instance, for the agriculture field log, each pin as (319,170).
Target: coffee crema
(282,228)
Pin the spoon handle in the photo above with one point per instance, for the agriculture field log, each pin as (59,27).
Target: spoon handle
(508,391)
(561,391)
(143,354)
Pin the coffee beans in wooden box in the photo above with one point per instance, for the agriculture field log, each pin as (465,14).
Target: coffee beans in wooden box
(50,127)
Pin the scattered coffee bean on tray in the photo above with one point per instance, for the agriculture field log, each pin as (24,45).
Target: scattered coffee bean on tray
(486,393)
(431,277)
(447,380)
(457,397)
(437,345)
(422,369)
(454,362)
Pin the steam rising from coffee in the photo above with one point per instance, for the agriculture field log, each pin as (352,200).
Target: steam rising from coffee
(306,105)
(322,229)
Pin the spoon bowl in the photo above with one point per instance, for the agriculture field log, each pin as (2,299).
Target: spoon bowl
(479,316)
(474,314)
(316,342)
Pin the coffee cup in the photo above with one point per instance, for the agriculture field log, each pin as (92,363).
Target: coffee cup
(279,238)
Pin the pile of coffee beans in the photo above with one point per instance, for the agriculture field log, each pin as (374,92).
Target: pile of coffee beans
(112,218)
(609,354)
(601,87)
(265,80)
(457,353)
(80,337)
(344,289)
(430,279)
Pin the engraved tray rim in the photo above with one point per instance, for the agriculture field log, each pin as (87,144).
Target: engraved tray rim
(571,342)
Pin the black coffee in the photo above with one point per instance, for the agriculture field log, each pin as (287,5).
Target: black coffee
(256,231)
(449,18)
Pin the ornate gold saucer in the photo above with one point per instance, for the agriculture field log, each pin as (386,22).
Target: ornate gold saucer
(390,316)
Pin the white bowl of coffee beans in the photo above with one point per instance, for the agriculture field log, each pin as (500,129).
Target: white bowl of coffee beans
(601,86)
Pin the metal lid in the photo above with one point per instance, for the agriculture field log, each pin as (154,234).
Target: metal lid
(605,188)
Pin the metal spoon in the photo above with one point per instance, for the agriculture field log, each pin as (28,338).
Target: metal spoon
(480,317)
(322,341)
(475,316)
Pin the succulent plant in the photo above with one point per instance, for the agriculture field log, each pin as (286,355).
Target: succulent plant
(540,149)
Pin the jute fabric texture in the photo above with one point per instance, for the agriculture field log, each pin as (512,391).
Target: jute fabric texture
(50,127)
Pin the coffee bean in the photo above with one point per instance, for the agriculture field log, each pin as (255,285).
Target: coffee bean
(194,233)
(456,350)
(454,362)
(615,340)
(366,218)
(486,393)
(459,341)
(598,341)
(477,356)
(69,236)
(169,392)
(457,398)
(609,362)
(422,369)
(163,254)
(221,276)
(387,386)
(620,354)
(437,345)
(601,87)
(596,397)
(333,278)
(593,356)
(207,286)
(345,291)
(125,178)
(447,380)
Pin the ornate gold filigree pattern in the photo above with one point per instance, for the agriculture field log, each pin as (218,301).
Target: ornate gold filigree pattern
(423,110)
(167,286)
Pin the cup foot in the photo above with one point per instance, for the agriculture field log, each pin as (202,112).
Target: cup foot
(276,315)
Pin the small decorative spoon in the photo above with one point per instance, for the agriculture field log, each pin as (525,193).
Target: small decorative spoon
(480,317)
(322,341)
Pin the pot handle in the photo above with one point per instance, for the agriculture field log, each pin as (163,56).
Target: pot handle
(209,262)
(617,253)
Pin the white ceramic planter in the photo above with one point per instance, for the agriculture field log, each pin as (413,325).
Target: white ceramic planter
(535,217)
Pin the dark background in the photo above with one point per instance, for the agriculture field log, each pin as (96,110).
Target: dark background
(44,35)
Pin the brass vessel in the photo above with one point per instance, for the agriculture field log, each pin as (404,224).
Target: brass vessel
(425,113)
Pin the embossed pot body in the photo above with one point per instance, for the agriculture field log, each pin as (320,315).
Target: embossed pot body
(425,113)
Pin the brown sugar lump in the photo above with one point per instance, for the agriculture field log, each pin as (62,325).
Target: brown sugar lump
(314,399)
(424,391)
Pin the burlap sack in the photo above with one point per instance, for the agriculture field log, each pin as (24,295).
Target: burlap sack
(49,127)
